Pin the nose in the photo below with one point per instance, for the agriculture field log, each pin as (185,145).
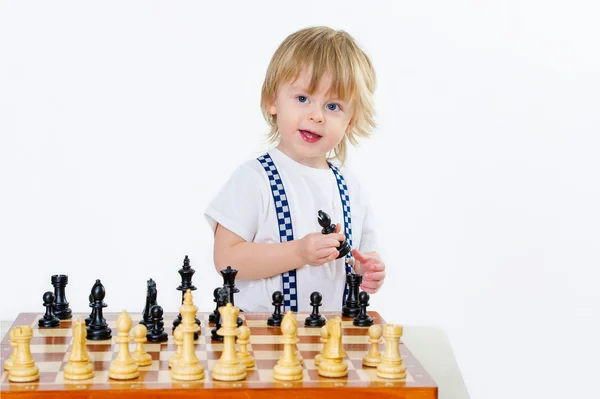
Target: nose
(316,114)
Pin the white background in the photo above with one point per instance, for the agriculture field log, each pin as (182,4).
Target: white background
(119,122)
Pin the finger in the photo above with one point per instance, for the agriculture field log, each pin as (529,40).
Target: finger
(369,290)
(360,257)
(325,253)
(328,243)
(376,276)
(375,266)
(329,258)
(371,284)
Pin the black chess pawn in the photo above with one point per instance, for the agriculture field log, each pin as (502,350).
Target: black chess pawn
(49,320)
(276,317)
(213,316)
(186,272)
(363,319)
(91,316)
(61,306)
(157,332)
(229,284)
(98,328)
(222,298)
(151,294)
(328,228)
(351,308)
(315,319)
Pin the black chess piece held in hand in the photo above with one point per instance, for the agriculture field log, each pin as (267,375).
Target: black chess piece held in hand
(328,228)
(49,320)
(315,319)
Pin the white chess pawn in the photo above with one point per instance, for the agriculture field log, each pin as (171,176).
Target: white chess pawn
(178,339)
(243,340)
(141,357)
(373,357)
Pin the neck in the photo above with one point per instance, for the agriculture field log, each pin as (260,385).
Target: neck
(312,162)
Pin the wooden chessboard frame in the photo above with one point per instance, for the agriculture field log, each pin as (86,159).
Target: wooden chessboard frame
(50,349)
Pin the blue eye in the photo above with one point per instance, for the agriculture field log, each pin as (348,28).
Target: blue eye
(302,99)
(332,107)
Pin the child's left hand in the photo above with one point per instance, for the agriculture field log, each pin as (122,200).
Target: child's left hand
(373,271)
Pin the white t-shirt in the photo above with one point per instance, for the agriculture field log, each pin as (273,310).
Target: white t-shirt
(245,206)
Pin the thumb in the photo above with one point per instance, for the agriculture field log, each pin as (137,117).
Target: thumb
(338,228)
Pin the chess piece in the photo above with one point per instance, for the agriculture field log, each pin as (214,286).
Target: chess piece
(243,339)
(49,320)
(228,368)
(151,294)
(186,272)
(363,319)
(61,306)
(187,367)
(79,366)
(391,366)
(212,318)
(373,357)
(221,301)
(315,319)
(91,316)
(141,357)
(328,228)
(323,339)
(229,285)
(23,368)
(288,367)
(157,333)
(178,338)
(351,308)
(98,328)
(332,362)
(10,361)
(276,317)
(124,366)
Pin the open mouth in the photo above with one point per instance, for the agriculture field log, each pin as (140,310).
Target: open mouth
(308,136)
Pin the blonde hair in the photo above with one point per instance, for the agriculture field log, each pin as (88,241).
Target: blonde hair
(325,51)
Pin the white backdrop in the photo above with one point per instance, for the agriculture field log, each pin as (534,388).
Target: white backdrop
(119,122)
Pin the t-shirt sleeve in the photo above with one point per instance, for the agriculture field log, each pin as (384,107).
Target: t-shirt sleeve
(239,205)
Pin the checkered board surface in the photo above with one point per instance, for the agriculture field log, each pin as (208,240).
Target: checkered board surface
(50,349)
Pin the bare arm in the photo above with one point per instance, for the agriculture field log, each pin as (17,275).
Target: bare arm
(255,260)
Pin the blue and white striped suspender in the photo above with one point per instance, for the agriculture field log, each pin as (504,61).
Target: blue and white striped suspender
(284,219)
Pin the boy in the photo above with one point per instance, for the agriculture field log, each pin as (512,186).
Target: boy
(317,96)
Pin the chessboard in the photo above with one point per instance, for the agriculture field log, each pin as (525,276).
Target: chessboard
(50,349)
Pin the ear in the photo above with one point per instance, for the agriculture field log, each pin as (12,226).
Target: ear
(273,109)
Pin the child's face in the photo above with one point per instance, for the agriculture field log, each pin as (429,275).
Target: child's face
(310,125)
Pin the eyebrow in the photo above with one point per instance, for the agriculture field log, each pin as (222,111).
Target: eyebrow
(304,89)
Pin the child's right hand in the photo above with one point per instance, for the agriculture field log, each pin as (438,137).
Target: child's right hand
(317,249)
